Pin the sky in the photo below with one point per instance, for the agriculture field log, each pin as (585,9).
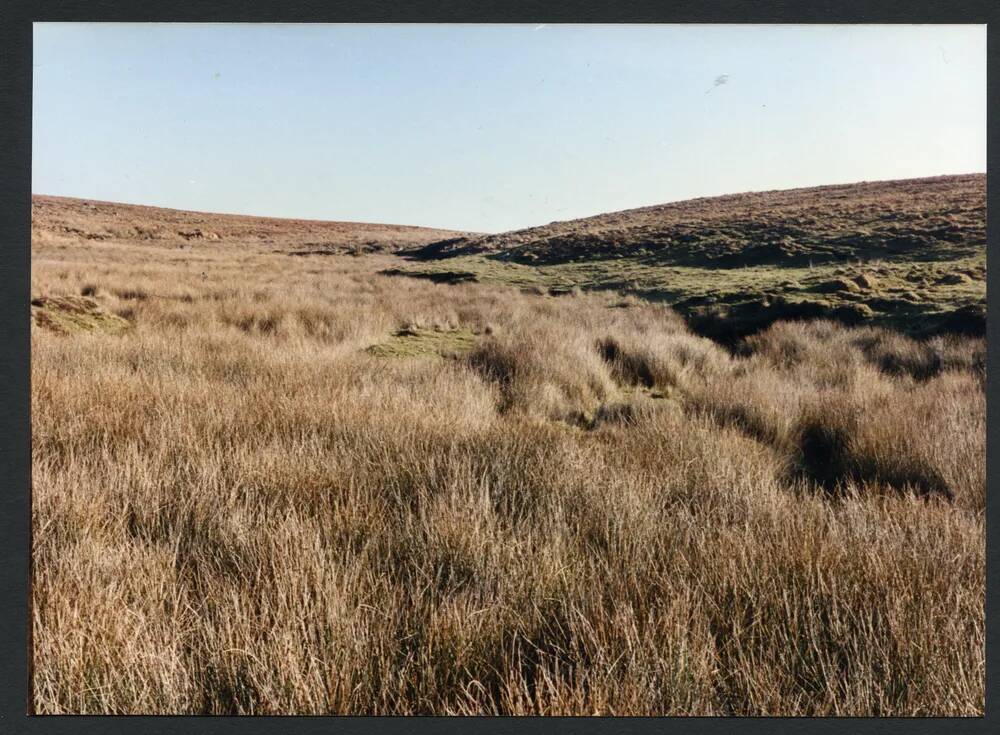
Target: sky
(493,127)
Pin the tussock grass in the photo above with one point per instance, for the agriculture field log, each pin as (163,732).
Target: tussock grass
(238,508)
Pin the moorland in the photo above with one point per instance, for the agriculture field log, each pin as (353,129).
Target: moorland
(718,457)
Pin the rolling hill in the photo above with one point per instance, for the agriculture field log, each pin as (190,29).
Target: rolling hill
(56,219)
(908,254)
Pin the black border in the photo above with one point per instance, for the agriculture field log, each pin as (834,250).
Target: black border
(16,17)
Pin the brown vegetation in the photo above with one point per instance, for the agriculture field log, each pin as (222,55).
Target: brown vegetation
(296,486)
(66,221)
(925,219)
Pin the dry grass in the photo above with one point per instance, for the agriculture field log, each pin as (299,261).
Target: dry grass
(64,221)
(238,508)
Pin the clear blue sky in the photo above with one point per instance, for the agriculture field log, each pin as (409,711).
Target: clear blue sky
(493,127)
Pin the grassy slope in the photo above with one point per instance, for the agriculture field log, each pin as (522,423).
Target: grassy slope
(66,221)
(909,255)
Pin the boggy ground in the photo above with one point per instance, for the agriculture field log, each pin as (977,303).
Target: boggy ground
(292,485)
(909,255)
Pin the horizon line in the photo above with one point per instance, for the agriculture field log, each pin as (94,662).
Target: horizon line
(516,229)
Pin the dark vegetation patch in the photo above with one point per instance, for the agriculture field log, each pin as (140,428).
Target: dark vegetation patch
(743,417)
(498,366)
(335,248)
(828,452)
(837,285)
(621,413)
(628,366)
(895,354)
(730,324)
(901,357)
(434,276)
(438,249)
(844,437)
(968,320)
(131,294)
(263,323)
(198,234)
(828,448)
(300,253)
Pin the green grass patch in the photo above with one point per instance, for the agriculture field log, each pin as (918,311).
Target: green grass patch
(912,296)
(74,314)
(412,342)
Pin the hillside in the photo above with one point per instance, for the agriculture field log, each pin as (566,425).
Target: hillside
(907,254)
(60,219)
(934,218)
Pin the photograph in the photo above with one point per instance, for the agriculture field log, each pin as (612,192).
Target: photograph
(507,369)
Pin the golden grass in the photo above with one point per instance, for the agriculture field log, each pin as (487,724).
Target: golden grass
(239,509)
